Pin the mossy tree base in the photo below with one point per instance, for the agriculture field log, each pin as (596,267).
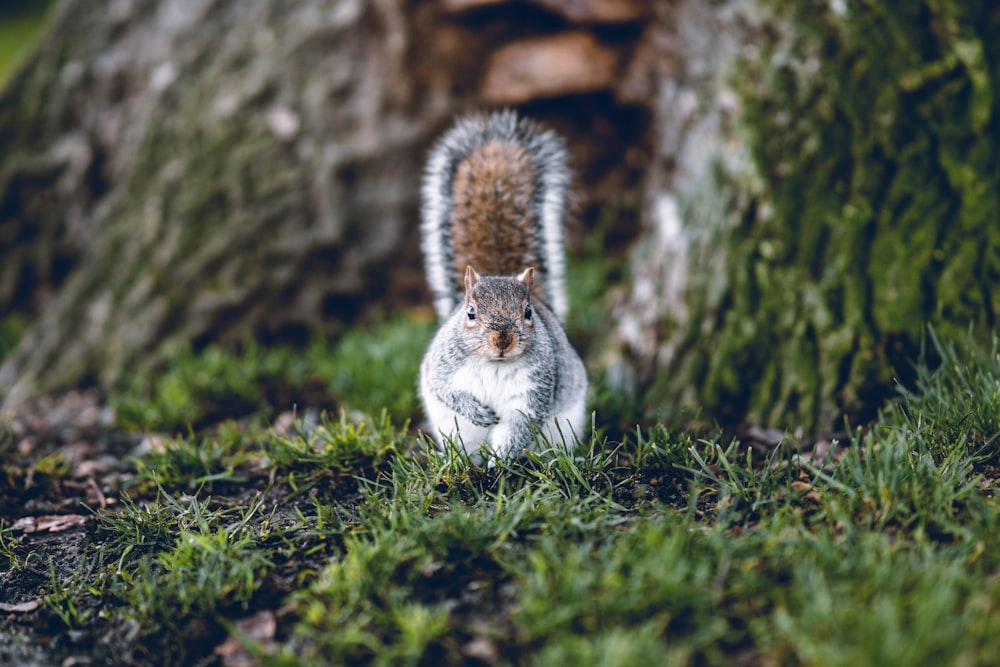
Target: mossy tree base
(867,209)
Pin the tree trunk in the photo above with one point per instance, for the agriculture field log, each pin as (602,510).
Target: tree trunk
(184,171)
(827,183)
(181,170)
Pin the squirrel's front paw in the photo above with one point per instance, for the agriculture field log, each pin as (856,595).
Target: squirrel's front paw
(469,407)
(484,416)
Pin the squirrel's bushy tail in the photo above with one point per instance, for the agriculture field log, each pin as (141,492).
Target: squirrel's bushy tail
(479,177)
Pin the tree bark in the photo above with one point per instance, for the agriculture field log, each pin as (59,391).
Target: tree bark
(827,184)
(180,170)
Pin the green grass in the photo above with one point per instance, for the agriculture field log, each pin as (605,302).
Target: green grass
(206,560)
(365,370)
(370,547)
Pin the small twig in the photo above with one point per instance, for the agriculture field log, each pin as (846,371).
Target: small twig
(101,499)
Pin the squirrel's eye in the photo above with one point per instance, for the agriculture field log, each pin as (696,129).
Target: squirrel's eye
(527,312)
(472,312)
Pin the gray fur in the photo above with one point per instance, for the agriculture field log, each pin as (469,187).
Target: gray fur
(466,405)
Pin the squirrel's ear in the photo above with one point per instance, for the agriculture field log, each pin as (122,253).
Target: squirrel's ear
(528,277)
(471,278)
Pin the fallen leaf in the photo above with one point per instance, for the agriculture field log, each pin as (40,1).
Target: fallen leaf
(483,649)
(260,628)
(52,524)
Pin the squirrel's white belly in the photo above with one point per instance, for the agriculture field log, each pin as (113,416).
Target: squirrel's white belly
(501,385)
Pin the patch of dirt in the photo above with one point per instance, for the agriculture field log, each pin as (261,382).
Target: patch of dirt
(59,457)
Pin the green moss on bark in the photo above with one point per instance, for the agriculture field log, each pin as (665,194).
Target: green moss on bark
(876,131)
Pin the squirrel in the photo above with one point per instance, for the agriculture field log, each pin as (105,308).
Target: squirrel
(500,368)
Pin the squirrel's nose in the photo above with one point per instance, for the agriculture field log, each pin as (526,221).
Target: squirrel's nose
(501,340)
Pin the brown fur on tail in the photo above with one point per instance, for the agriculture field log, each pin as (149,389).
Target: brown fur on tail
(493,196)
(492,225)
